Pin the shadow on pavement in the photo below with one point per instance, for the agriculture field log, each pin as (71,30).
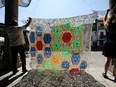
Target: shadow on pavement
(3,72)
(110,79)
(6,81)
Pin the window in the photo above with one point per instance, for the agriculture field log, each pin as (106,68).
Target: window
(101,25)
(101,35)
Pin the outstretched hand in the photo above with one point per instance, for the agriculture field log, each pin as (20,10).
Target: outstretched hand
(29,18)
(108,10)
(29,21)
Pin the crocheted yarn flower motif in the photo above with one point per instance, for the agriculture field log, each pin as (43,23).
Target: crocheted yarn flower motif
(75,58)
(39,45)
(47,52)
(40,68)
(73,70)
(66,52)
(39,31)
(56,68)
(33,51)
(65,65)
(32,37)
(76,43)
(67,24)
(66,37)
(78,29)
(56,45)
(47,65)
(57,31)
(83,65)
(56,59)
(47,38)
(39,58)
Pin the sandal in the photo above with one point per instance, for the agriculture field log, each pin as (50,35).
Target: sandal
(104,75)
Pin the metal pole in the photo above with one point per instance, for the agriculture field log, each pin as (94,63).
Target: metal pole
(11,10)
(11,13)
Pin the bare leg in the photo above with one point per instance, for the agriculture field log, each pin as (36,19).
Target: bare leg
(114,69)
(107,65)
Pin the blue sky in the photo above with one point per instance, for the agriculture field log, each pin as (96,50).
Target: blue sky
(58,8)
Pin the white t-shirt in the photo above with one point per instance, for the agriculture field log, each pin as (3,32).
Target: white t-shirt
(16,35)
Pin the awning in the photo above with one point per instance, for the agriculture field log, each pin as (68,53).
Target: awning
(22,3)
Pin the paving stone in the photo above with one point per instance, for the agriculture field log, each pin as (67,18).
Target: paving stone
(36,78)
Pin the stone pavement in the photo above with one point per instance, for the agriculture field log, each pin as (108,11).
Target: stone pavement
(58,79)
(95,69)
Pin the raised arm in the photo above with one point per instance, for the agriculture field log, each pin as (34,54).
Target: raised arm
(28,23)
(105,18)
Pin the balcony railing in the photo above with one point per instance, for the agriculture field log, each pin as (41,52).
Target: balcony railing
(101,27)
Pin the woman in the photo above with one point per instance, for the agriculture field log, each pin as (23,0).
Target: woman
(109,49)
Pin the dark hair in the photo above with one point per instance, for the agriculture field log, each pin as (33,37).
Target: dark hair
(111,24)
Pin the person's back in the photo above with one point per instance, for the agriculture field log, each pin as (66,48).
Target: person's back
(16,35)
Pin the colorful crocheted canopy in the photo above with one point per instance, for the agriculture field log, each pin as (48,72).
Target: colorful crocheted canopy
(61,43)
